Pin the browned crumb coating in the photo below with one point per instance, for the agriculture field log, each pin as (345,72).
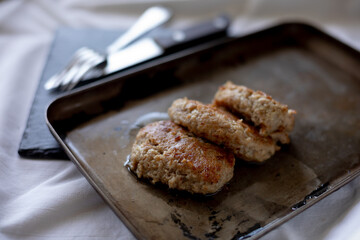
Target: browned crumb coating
(273,118)
(222,128)
(166,152)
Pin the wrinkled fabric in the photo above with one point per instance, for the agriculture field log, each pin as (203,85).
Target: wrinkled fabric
(46,199)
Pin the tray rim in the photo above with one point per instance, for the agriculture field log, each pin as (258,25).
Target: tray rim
(162,60)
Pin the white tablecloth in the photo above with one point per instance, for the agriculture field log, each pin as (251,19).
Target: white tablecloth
(42,199)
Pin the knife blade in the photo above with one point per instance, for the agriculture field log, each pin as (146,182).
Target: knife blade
(150,48)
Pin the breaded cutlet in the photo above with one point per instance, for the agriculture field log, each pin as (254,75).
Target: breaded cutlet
(166,152)
(222,128)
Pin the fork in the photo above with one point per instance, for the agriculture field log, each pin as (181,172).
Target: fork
(85,58)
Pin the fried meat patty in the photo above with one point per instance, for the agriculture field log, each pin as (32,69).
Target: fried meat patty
(222,128)
(273,118)
(166,152)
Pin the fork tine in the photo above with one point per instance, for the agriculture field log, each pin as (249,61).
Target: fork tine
(56,80)
(82,70)
(91,58)
(53,82)
(81,58)
(67,78)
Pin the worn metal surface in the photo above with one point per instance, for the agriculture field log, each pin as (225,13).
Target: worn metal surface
(290,62)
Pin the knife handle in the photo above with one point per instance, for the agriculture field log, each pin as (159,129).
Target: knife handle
(202,32)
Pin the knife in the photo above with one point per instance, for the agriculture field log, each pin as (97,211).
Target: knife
(150,48)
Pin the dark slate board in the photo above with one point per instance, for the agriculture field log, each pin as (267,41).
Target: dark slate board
(37,141)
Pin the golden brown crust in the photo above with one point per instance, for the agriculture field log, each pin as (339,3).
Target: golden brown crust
(273,118)
(222,128)
(165,152)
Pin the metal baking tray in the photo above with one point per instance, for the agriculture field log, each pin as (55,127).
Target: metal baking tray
(295,63)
